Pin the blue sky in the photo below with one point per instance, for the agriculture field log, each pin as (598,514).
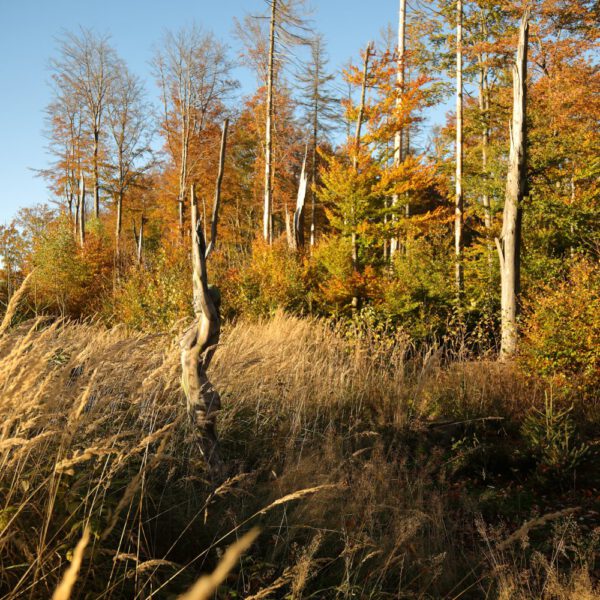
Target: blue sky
(28,32)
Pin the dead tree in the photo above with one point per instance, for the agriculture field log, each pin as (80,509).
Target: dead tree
(268,197)
(139,240)
(200,341)
(356,153)
(459,198)
(509,244)
(299,213)
(398,138)
(217,202)
(81,210)
(198,347)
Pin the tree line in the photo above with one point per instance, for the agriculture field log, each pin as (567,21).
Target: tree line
(338,198)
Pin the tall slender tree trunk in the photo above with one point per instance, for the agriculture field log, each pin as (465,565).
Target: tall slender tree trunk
(313,166)
(459,201)
(96,174)
(140,241)
(268,199)
(81,203)
(119,223)
(217,200)
(359,122)
(509,244)
(484,105)
(183,172)
(398,150)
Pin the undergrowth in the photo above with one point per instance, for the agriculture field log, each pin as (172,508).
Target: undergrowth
(373,470)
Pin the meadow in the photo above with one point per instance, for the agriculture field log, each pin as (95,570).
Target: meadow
(374,469)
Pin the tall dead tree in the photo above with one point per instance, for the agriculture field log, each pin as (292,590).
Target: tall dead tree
(484,111)
(356,152)
(199,345)
(398,138)
(200,341)
(320,105)
(81,210)
(509,243)
(268,198)
(217,199)
(298,236)
(286,30)
(459,199)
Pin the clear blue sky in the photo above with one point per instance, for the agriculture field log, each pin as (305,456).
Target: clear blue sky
(28,32)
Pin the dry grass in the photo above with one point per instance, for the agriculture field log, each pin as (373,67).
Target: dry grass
(327,449)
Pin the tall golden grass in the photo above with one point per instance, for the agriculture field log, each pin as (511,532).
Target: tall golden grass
(328,448)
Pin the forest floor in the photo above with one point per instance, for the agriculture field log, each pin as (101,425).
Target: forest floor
(373,470)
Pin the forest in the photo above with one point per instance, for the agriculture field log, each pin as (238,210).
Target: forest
(334,336)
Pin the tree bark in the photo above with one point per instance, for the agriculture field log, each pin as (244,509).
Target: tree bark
(509,244)
(268,200)
(459,201)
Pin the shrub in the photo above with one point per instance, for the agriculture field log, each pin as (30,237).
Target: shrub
(155,296)
(68,279)
(273,279)
(562,333)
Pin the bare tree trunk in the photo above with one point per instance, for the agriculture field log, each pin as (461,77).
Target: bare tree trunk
(313,172)
(96,175)
(76,220)
(183,173)
(140,240)
(119,223)
(484,108)
(289,226)
(359,122)
(215,214)
(81,204)
(268,200)
(398,157)
(509,244)
(198,347)
(458,207)
(299,213)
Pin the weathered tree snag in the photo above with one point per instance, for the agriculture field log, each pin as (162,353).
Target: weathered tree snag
(198,347)
(398,138)
(299,213)
(217,202)
(139,240)
(81,213)
(509,244)
(459,199)
(357,134)
(268,194)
